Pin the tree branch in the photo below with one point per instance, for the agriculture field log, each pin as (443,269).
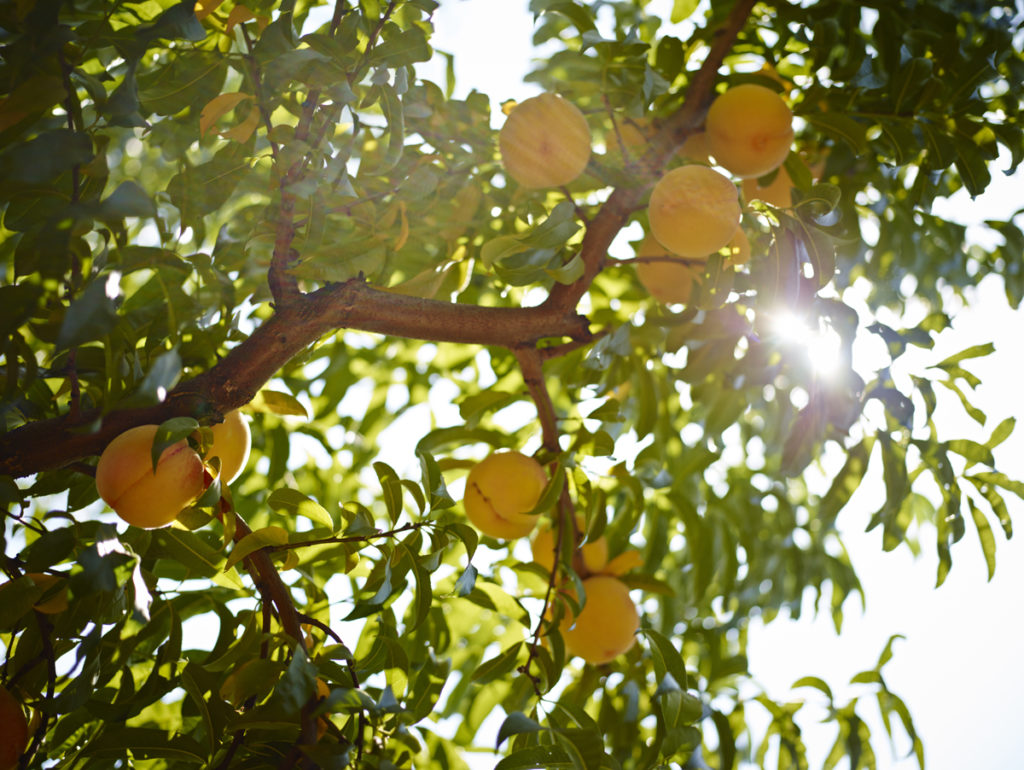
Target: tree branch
(234,381)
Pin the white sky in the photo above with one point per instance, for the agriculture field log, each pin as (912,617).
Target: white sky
(960,668)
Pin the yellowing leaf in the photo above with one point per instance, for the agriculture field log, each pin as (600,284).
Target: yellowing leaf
(205,7)
(218,107)
(239,15)
(243,130)
(403,234)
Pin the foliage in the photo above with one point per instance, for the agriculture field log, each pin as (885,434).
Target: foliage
(211,205)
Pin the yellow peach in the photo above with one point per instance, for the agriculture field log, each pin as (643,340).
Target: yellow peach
(606,626)
(594,554)
(668,279)
(749,130)
(737,250)
(140,495)
(778,192)
(545,142)
(693,211)
(501,490)
(231,442)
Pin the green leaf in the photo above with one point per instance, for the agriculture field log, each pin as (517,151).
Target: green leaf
(276,402)
(498,666)
(535,757)
(392,489)
(93,314)
(516,723)
(255,540)
(128,200)
(298,504)
(682,10)
(975,351)
(433,482)
(840,127)
(985,537)
(189,79)
(667,660)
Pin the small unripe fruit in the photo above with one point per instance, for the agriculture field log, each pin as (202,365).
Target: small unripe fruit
(594,554)
(545,142)
(231,442)
(13,730)
(606,626)
(749,130)
(501,490)
(694,211)
(145,498)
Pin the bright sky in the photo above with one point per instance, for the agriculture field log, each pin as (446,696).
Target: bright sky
(960,667)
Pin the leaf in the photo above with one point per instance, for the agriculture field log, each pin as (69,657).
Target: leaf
(276,402)
(667,660)
(160,379)
(516,723)
(392,489)
(255,540)
(813,681)
(682,10)
(298,504)
(841,127)
(93,314)
(128,200)
(498,666)
(218,107)
(985,537)
(433,482)
(466,582)
(189,79)
(535,757)
(975,351)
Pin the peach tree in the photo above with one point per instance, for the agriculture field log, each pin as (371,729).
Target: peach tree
(261,206)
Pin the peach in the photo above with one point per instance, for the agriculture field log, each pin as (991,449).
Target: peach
(778,192)
(669,280)
(13,730)
(140,495)
(545,142)
(749,130)
(594,554)
(231,442)
(606,626)
(694,211)
(501,490)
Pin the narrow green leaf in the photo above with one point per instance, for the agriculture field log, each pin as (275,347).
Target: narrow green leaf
(298,504)
(516,723)
(535,757)
(255,540)
(985,537)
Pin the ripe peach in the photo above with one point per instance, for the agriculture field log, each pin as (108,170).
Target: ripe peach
(13,730)
(749,130)
(545,142)
(693,211)
(737,250)
(594,554)
(779,192)
(231,442)
(606,626)
(669,280)
(501,490)
(145,498)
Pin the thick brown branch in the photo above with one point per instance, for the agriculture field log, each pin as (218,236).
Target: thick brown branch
(531,364)
(235,380)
